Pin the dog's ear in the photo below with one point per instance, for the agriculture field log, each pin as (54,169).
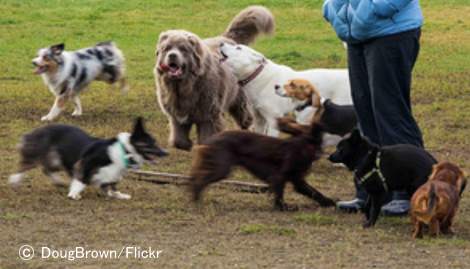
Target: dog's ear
(316,97)
(162,37)
(198,53)
(58,49)
(138,127)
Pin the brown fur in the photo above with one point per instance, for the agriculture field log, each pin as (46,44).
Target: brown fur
(436,202)
(273,160)
(206,89)
(303,90)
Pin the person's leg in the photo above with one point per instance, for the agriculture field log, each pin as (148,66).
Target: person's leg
(361,95)
(390,62)
(361,92)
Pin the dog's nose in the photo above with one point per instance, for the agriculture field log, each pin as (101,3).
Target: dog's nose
(34,63)
(221,44)
(277,87)
(172,56)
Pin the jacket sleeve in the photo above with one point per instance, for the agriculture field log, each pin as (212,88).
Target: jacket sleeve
(388,8)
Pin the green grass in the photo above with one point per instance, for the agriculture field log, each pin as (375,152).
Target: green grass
(229,229)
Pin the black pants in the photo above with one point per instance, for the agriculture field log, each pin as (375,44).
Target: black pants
(380,74)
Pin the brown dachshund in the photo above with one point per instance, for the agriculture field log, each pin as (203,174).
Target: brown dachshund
(436,202)
(273,160)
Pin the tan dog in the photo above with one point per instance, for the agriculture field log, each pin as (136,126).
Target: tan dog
(337,120)
(302,91)
(436,202)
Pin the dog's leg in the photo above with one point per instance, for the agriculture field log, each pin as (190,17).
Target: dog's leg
(418,228)
(123,85)
(15,179)
(114,193)
(241,111)
(179,135)
(302,187)
(210,170)
(56,108)
(208,129)
(259,125)
(76,187)
(277,185)
(54,176)
(272,128)
(434,229)
(374,211)
(78,106)
(446,224)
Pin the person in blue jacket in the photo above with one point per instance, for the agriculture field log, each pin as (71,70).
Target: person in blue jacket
(383,44)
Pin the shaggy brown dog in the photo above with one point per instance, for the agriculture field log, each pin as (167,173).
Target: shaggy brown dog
(273,160)
(436,202)
(194,87)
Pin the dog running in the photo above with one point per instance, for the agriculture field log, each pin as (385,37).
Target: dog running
(68,73)
(89,160)
(273,160)
(435,203)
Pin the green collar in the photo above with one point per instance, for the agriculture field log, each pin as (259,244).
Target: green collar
(375,171)
(124,157)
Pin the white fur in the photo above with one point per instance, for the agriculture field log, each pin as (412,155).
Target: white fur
(15,179)
(331,83)
(113,172)
(76,187)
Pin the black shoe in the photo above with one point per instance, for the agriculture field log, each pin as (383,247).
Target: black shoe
(352,206)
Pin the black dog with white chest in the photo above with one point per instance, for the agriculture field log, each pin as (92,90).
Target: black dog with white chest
(383,169)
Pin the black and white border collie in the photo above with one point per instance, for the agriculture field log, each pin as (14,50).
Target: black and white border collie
(89,160)
(67,73)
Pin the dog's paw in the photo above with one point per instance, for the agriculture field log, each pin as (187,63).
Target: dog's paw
(74,196)
(15,180)
(47,118)
(76,113)
(327,202)
(119,195)
(286,207)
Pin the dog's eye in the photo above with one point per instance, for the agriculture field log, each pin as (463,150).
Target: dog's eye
(45,57)
(239,48)
(182,49)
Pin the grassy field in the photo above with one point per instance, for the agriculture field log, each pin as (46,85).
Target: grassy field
(231,230)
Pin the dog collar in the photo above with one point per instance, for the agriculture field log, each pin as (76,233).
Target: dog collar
(375,171)
(124,152)
(253,75)
(304,106)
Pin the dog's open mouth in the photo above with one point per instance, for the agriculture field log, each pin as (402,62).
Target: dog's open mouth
(40,69)
(174,70)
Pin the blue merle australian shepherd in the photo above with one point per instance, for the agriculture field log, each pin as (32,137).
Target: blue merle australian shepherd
(67,73)
(89,160)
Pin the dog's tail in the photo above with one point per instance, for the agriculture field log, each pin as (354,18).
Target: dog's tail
(429,210)
(249,24)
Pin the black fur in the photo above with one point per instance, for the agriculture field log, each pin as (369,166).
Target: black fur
(405,167)
(338,119)
(73,73)
(83,56)
(94,157)
(55,147)
(82,77)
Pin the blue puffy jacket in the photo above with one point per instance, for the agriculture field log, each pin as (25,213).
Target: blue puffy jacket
(359,20)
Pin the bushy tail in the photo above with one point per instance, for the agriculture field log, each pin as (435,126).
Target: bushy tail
(249,24)
(431,206)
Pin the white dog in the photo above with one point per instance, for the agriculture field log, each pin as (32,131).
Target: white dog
(259,77)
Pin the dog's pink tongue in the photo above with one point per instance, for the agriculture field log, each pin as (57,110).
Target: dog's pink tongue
(164,67)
